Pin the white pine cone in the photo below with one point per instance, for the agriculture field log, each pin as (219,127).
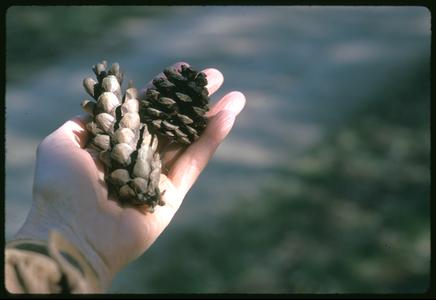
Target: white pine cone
(125,145)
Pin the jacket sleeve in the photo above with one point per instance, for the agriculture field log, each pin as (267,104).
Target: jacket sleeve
(55,266)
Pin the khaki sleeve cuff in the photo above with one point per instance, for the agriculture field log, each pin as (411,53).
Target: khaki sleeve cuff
(55,266)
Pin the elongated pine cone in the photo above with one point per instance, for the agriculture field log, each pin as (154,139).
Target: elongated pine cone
(124,144)
(175,107)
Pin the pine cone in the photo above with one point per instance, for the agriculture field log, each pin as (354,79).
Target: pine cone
(176,106)
(124,144)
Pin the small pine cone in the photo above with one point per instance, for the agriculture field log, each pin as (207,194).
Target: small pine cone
(124,144)
(175,107)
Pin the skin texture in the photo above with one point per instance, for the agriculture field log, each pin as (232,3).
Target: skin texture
(70,195)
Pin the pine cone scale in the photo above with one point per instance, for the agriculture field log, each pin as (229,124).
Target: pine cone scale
(124,144)
(124,126)
(176,101)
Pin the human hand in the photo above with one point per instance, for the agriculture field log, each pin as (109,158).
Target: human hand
(70,195)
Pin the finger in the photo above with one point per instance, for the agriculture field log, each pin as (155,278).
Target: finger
(227,103)
(190,164)
(214,79)
(172,152)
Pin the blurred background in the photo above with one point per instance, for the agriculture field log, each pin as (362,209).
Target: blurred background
(323,186)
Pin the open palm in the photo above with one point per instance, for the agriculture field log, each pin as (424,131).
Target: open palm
(70,194)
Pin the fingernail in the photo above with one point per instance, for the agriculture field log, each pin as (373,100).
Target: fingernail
(237,103)
(214,77)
